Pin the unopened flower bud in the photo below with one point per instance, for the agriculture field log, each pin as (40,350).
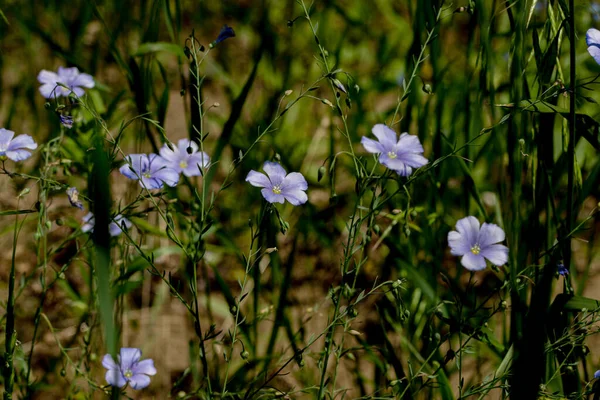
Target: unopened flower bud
(321,173)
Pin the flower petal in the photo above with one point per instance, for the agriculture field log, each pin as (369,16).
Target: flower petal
(413,159)
(88,222)
(167,175)
(168,154)
(134,165)
(22,142)
(67,75)
(473,262)
(128,357)
(468,227)
(258,179)
(592,37)
(372,146)
(49,91)
(595,53)
(275,172)
(272,197)
(295,196)
(144,367)
(490,234)
(391,163)
(409,144)
(387,137)
(183,145)
(458,245)
(114,377)
(139,381)
(47,77)
(151,183)
(83,80)
(496,253)
(18,155)
(5,138)
(108,362)
(79,92)
(294,180)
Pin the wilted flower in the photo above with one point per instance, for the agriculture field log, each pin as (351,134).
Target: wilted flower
(66,121)
(475,244)
(279,186)
(73,195)
(15,149)
(69,77)
(185,157)
(226,33)
(399,155)
(151,170)
(114,228)
(592,38)
(129,369)
(562,270)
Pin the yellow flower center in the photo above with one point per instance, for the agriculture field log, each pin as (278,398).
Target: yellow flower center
(147,175)
(392,154)
(276,190)
(476,249)
(128,374)
(183,164)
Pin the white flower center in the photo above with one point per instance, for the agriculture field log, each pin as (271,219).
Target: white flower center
(476,249)
(183,164)
(128,374)
(276,189)
(392,154)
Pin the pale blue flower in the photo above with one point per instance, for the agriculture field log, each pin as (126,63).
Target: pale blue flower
(150,169)
(592,38)
(129,369)
(475,244)
(66,121)
(400,155)
(115,228)
(185,157)
(69,77)
(16,149)
(597,374)
(279,186)
(73,195)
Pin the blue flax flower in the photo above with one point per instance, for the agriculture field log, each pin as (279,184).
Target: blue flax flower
(114,228)
(69,77)
(400,155)
(151,170)
(66,121)
(17,148)
(592,38)
(226,33)
(73,195)
(129,369)
(562,270)
(279,186)
(475,244)
(597,374)
(183,161)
